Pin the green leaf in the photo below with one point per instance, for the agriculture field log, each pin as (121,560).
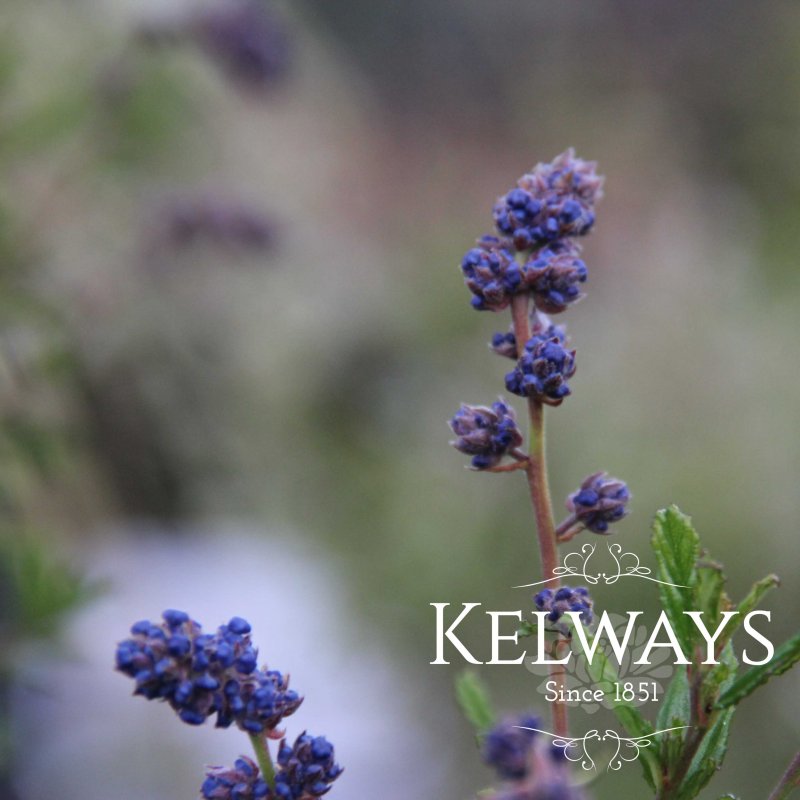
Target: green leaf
(674,713)
(675,709)
(473,699)
(41,589)
(720,677)
(785,657)
(709,594)
(605,675)
(526,629)
(677,546)
(753,598)
(708,758)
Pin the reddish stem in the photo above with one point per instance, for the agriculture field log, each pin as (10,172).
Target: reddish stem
(540,495)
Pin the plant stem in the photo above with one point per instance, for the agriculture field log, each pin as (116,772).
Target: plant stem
(264,759)
(540,496)
(789,782)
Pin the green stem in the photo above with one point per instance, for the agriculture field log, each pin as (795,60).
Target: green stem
(789,782)
(264,759)
(539,490)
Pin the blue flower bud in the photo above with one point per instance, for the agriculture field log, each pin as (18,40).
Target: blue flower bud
(507,747)
(241,782)
(552,202)
(553,275)
(564,599)
(306,769)
(492,274)
(486,434)
(600,501)
(543,370)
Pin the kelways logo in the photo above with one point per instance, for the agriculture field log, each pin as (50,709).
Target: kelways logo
(591,644)
(613,634)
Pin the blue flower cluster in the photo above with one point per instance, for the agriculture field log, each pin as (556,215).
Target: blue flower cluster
(542,370)
(505,344)
(486,434)
(306,771)
(553,275)
(200,675)
(492,274)
(564,599)
(507,746)
(552,202)
(241,782)
(307,768)
(600,501)
(531,767)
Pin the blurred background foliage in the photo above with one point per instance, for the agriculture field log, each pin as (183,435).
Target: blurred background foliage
(233,298)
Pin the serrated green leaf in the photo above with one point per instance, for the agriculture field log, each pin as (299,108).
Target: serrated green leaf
(473,699)
(751,600)
(605,675)
(675,706)
(720,677)
(709,594)
(674,712)
(677,546)
(785,657)
(709,757)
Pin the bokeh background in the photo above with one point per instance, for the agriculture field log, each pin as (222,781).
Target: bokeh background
(233,327)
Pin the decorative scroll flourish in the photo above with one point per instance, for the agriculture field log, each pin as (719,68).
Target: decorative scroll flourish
(575,564)
(626,750)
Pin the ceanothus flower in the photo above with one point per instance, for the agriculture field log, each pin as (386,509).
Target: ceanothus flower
(492,274)
(307,768)
(507,746)
(486,434)
(554,274)
(240,782)
(200,675)
(505,344)
(532,767)
(553,201)
(557,602)
(600,501)
(543,369)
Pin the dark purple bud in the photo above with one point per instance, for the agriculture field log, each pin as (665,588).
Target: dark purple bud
(543,369)
(553,201)
(557,603)
(554,274)
(508,746)
(600,501)
(486,434)
(241,782)
(306,769)
(492,274)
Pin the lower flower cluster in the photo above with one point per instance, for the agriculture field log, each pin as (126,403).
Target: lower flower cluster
(306,771)
(530,767)
(200,675)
